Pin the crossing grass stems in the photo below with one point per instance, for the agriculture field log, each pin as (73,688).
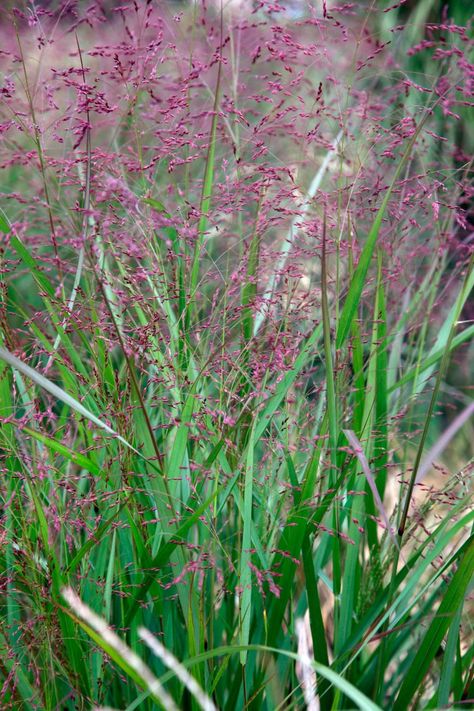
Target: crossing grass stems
(235,284)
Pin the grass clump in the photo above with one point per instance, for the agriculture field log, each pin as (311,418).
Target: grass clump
(234,356)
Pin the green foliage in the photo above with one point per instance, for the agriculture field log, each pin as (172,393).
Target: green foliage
(178,532)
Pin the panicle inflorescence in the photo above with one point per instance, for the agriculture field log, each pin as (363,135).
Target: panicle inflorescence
(169,174)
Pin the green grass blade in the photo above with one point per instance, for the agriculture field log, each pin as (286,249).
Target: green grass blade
(318,632)
(163,556)
(449,658)
(361,700)
(245,555)
(61,394)
(443,620)
(76,457)
(117,650)
(274,402)
(430,360)
(208,183)
(181,672)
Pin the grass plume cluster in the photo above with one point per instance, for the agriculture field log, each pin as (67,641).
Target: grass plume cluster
(235,328)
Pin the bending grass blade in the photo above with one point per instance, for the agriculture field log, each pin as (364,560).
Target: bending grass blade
(76,457)
(445,335)
(432,359)
(443,441)
(181,672)
(381,396)
(59,393)
(454,316)
(359,452)
(395,613)
(443,620)
(118,651)
(360,700)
